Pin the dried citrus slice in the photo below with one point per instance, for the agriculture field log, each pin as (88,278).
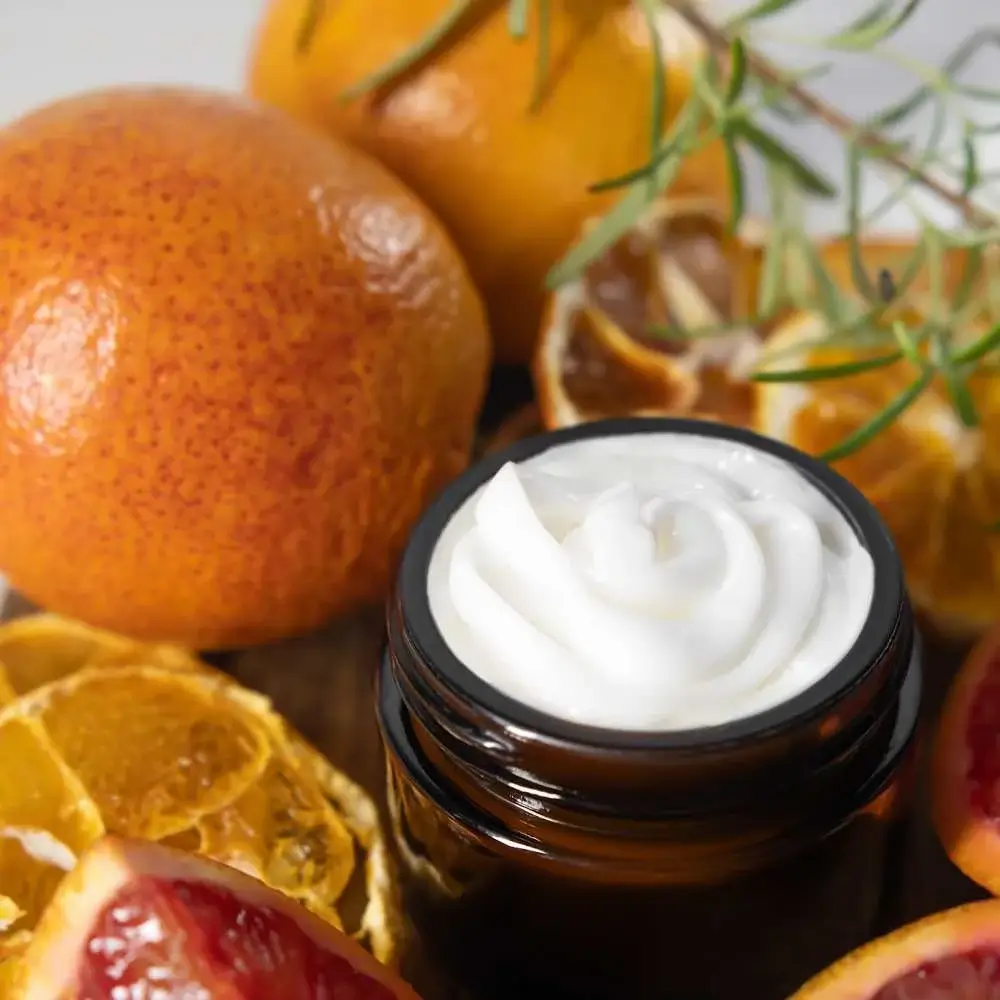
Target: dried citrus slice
(46,816)
(965,777)
(379,925)
(10,913)
(42,648)
(7,692)
(14,944)
(283,831)
(223,934)
(948,956)
(935,481)
(157,749)
(677,268)
(896,258)
(12,948)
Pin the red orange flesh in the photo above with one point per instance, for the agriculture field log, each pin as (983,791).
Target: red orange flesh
(954,955)
(966,767)
(133,916)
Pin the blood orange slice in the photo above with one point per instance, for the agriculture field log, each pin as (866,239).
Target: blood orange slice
(954,955)
(965,779)
(137,919)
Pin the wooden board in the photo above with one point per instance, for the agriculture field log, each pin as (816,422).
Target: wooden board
(323,683)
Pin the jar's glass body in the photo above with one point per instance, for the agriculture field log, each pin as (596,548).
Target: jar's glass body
(496,915)
(545,859)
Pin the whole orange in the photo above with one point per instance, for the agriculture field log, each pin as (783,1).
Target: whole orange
(236,358)
(509,182)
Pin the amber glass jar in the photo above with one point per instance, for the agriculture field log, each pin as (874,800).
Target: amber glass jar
(548,859)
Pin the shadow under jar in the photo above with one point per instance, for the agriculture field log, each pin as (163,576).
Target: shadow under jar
(552,859)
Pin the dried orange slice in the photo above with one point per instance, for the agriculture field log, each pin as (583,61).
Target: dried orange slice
(42,648)
(379,923)
(677,268)
(254,795)
(157,749)
(46,817)
(10,913)
(895,257)
(11,950)
(283,831)
(935,481)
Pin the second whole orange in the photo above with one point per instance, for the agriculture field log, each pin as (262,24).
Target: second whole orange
(510,180)
(236,358)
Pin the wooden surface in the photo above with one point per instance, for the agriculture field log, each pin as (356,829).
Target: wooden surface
(323,683)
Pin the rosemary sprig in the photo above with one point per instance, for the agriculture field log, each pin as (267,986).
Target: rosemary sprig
(436,35)
(731,87)
(882,420)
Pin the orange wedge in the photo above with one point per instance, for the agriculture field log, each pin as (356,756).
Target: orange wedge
(677,269)
(216,933)
(157,749)
(935,481)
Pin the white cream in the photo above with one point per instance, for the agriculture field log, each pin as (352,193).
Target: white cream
(650,582)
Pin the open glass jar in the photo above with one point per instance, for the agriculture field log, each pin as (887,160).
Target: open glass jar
(548,858)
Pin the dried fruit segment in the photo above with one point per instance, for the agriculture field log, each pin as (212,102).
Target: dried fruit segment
(46,816)
(935,482)
(283,831)
(676,270)
(156,749)
(40,649)
(180,753)
(7,693)
(10,913)
(12,947)
(379,926)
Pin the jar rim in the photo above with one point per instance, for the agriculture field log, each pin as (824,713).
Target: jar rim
(879,627)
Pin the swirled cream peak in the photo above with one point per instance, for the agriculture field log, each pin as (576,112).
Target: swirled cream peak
(650,582)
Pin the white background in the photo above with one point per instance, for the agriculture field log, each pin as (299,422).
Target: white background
(49,48)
